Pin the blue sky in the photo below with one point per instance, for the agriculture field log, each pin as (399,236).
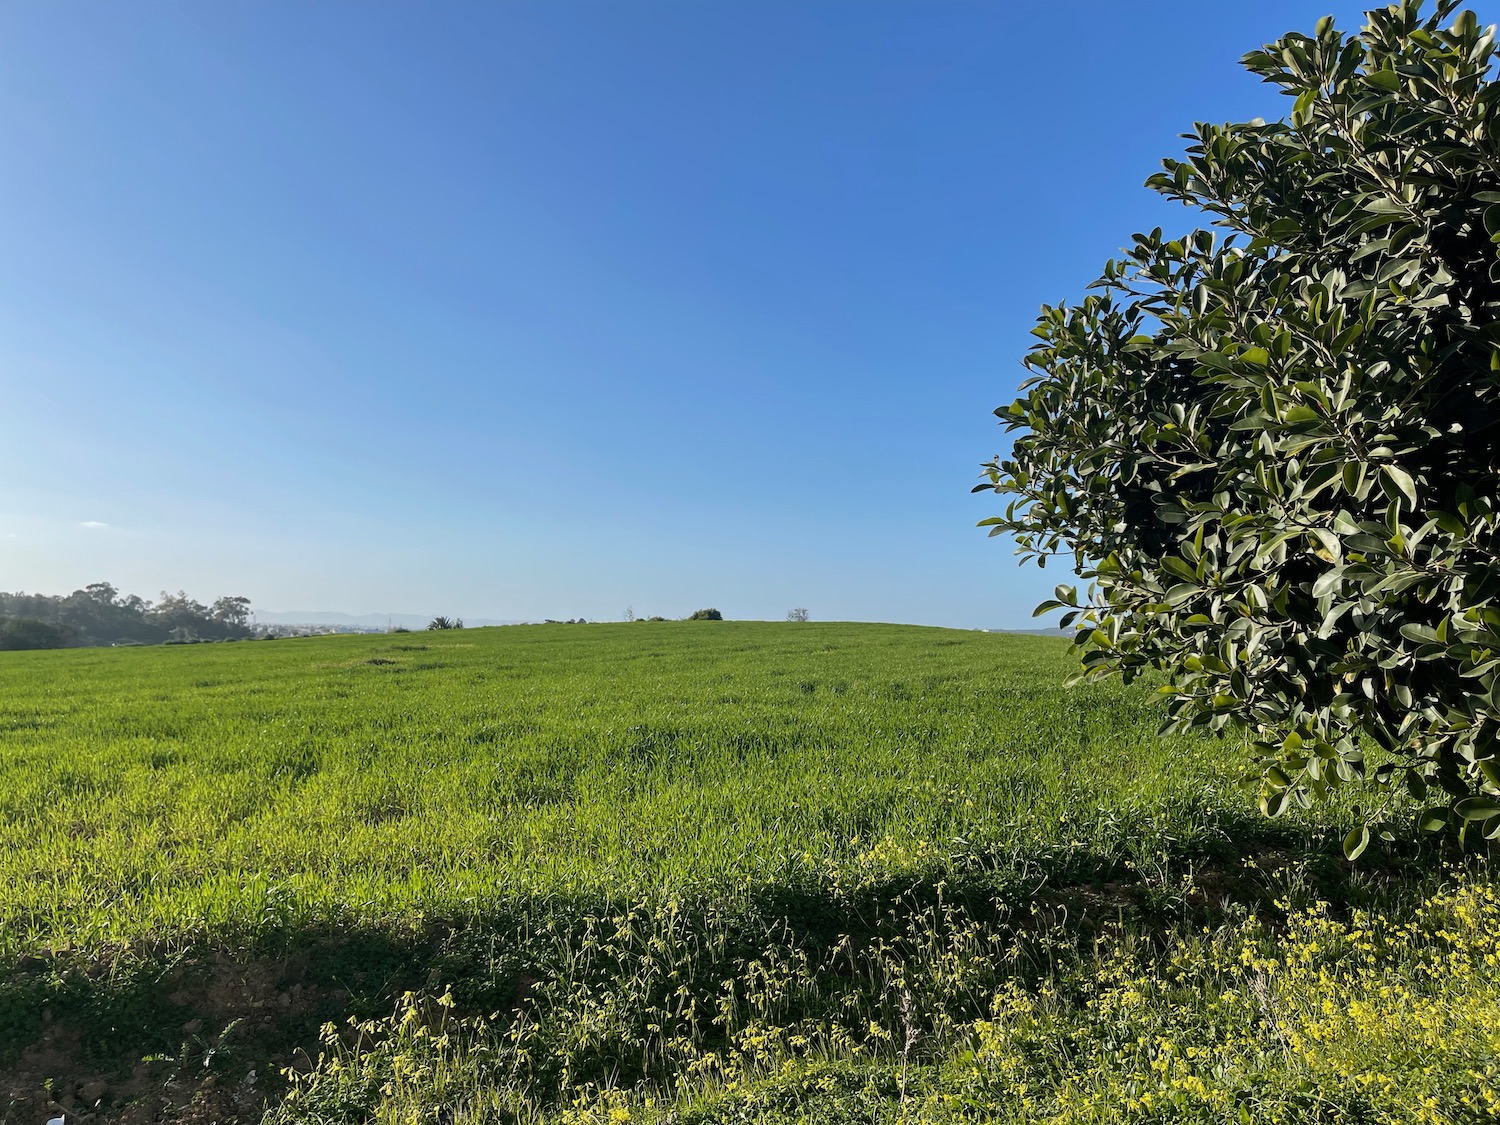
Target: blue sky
(517,310)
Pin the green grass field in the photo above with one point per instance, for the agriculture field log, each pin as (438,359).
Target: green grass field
(691,871)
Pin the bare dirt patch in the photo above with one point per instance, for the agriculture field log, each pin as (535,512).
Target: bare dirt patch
(248,1018)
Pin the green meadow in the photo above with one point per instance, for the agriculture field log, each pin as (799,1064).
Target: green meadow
(716,871)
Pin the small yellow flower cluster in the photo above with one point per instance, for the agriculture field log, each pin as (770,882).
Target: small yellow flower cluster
(1392,1022)
(1313,1017)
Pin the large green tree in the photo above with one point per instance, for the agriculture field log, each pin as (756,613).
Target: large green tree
(1271,445)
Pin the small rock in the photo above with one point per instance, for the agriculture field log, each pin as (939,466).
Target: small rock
(192,1027)
(94,1091)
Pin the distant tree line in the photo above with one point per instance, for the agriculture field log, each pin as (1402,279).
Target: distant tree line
(99,615)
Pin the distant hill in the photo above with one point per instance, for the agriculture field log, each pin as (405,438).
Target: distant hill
(363,620)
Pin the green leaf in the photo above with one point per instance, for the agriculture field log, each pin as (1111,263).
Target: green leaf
(1328,582)
(1284,228)
(1274,804)
(1357,841)
(1302,414)
(1477,808)
(1302,107)
(1344,525)
(1402,481)
(1354,479)
(1330,543)
(1432,820)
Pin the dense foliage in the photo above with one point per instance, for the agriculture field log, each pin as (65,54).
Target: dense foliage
(18,634)
(99,615)
(1272,445)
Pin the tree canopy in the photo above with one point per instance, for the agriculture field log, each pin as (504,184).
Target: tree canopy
(99,614)
(1271,444)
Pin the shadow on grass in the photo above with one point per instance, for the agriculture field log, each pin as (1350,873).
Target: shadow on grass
(139,1020)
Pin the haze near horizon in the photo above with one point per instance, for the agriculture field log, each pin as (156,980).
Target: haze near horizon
(543,310)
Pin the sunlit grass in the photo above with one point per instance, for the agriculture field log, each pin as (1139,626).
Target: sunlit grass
(678,871)
(231,789)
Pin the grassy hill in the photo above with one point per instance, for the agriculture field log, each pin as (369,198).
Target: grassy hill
(686,870)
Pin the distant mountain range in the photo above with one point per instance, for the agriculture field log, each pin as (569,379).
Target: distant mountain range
(362,620)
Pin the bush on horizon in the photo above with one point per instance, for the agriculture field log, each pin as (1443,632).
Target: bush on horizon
(25,633)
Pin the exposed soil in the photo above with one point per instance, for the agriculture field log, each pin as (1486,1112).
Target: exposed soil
(250,1018)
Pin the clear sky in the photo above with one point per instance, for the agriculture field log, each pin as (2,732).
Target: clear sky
(525,309)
